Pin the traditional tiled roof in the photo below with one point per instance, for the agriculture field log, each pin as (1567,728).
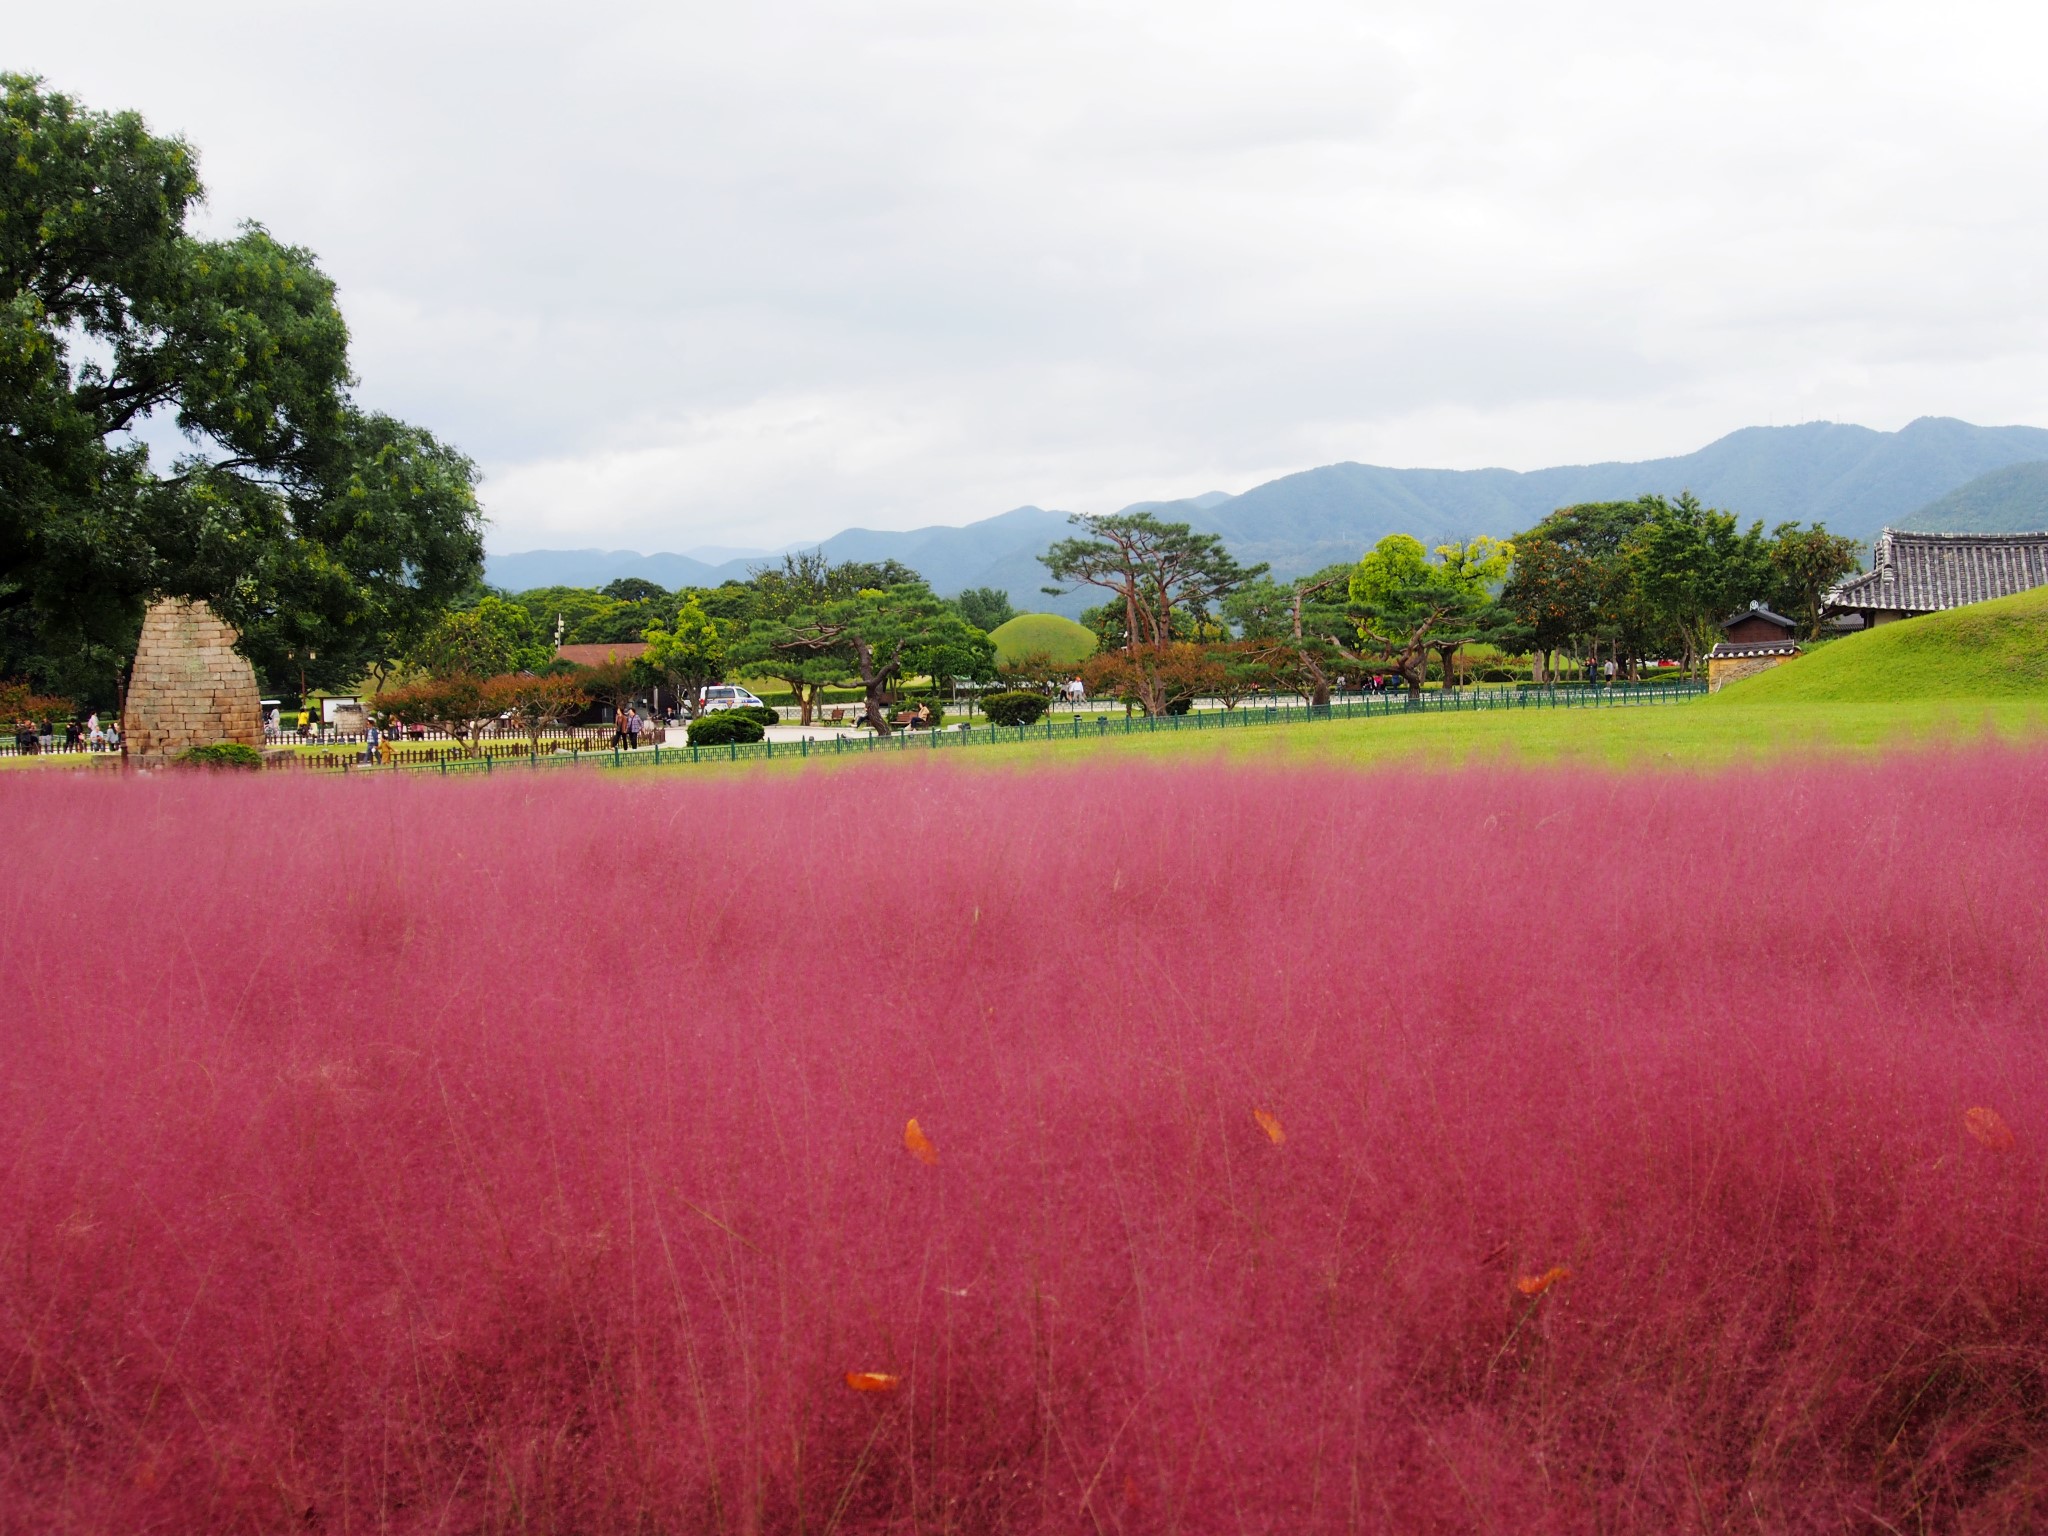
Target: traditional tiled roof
(598,655)
(1759,611)
(1927,572)
(1728,650)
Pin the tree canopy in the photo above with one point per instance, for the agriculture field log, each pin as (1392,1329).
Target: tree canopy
(493,637)
(688,654)
(1151,569)
(875,636)
(1649,576)
(331,536)
(1297,635)
(988,609)
(1407,603)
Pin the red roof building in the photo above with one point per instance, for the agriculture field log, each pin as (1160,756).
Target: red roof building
(598,655)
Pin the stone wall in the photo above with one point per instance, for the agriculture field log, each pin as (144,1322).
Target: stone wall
(190,687)
(1733,669)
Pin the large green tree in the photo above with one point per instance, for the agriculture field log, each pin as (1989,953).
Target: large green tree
(1694,566)
(1572,587)
(986,608)
(1299,635)
(873,635)
(1406,603)
(587,616)
(333,537)
(801,583)
(492,637)
(1805,563)
(688,655)
(1152,570)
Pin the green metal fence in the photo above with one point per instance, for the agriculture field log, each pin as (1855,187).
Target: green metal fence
(1074,728)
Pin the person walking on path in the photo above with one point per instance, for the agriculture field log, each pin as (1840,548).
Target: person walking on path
(633,729)
(372,739)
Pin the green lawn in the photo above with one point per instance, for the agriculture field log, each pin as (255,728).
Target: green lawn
(1704,734)
(1709,732)
(1712,732)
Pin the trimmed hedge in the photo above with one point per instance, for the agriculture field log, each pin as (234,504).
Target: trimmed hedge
(724,728)
(1015,707)
(760,712)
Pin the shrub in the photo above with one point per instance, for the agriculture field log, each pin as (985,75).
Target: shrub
(1014,707)
(221,754)
(757,712)
(725,727)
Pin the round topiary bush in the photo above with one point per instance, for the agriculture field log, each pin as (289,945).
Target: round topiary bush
(222,754)
(760,712)
(1014,708)
(725,727)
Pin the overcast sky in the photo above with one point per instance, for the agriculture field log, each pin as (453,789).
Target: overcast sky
(739,274)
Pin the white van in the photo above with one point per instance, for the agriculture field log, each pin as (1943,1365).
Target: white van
(725,696)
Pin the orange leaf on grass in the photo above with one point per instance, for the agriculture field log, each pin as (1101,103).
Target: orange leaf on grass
(1270,1124)
(1536,1285)
(872,1381)
(1989,1127)
(919,1145)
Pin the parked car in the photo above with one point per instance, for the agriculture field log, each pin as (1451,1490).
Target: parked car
(725,696)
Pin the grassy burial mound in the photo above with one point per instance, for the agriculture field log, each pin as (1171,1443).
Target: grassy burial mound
(1043,634)
(1988,650)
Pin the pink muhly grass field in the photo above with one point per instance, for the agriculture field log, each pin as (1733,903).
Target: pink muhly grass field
(1305,1151)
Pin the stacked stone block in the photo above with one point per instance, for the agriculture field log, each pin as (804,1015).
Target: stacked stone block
(1721,671)
(190,686)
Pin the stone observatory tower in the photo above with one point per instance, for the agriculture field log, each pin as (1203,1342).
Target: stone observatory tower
(190,686)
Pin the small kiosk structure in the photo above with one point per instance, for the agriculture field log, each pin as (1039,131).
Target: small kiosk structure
(1753,641)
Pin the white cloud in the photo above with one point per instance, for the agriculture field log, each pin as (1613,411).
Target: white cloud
(750,274)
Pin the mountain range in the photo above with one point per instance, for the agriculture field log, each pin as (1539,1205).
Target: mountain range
(2009,500)
(1852,478)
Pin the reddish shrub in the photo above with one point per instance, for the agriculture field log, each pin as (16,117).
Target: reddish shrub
(537,1153)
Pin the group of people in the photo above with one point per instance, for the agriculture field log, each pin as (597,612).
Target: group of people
(86,735)
(626,728)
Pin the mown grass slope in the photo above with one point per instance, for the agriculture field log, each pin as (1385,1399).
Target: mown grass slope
(1988,650)
(1066,642)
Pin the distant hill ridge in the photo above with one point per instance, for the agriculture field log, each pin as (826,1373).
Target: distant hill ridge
(1854,479)
(2009,500)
